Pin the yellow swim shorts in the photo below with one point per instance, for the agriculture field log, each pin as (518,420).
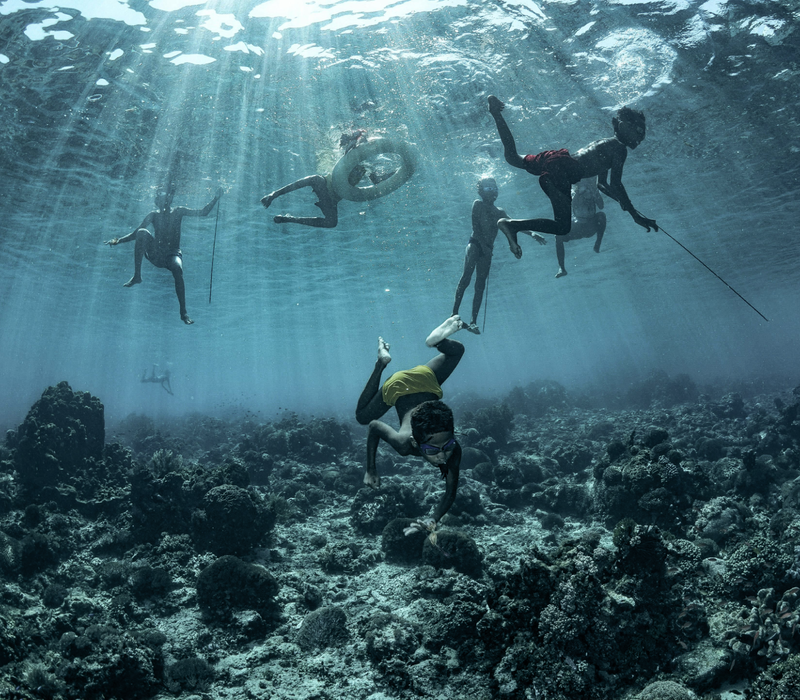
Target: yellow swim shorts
(419,380)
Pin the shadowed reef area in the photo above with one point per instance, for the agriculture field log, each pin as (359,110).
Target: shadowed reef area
(643,546)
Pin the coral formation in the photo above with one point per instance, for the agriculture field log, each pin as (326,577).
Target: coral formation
(632,554)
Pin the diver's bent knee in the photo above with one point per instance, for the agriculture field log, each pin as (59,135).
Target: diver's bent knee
(361,418)
(563,228)
(456,348)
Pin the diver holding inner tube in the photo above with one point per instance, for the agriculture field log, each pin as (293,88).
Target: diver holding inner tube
(343,181)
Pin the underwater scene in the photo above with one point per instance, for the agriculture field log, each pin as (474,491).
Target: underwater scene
(393,349)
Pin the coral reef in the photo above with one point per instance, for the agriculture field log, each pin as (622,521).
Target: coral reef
(644,552)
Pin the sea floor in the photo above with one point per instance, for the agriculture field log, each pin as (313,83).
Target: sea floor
(649,550)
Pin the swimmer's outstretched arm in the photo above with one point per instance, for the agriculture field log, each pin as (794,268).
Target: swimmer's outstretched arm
(377,431)
(451,471)
(616,191)
(205,211)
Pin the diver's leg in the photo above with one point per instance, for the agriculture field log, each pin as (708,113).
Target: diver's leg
(326,203)
(484,264)
(509,146)
(559,225)
(466,276)
(143,239)
(560,255)
(450,351)
(450,354)
(175,266)
(371,405)
(309,181)
(600,218)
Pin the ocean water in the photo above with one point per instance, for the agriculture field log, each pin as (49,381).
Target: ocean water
(104,99)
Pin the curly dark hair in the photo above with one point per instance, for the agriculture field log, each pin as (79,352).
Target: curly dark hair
(431,417)
(631,116)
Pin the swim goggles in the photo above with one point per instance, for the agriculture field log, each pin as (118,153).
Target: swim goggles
(431,450)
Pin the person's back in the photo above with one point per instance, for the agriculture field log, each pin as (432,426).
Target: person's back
(600,156)
(585,200)
(485,216)
(587,222)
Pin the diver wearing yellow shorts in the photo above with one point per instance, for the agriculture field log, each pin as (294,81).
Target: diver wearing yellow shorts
(419,380)
(426,423)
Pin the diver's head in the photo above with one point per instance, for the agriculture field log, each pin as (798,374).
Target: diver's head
(350,139)
(164,196)
(487,189)
(433,431)
(629,126)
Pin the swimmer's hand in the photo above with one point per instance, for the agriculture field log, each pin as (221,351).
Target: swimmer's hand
(644,221)
(113,241)
(423,525)
(539,238)
(266,200)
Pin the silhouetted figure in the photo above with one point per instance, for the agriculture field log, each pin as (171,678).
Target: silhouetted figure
(587,222)
(322,186)
(426,423)
(558,170)
(164,248)
(478,255)
(162,379)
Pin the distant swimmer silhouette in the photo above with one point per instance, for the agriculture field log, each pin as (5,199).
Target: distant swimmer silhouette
(163,249)
(587,222)
(343,181)
(558,170)
(478,255)
(426,423)
(162,379)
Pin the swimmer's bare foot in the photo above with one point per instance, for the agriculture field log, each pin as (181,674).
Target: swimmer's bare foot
(372,479)
(450,326)
(597,248)
(136,279)
(473,328)
(266,200)
(495,106)
(185,318)
(561,272)
(516,250)
(383,352)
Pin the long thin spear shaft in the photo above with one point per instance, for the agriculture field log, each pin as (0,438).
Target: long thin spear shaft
(485,303)
(213,251)
(661,228)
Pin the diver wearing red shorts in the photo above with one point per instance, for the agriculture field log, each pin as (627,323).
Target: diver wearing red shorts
(558,171)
